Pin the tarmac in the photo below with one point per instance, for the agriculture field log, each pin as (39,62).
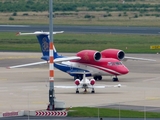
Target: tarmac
(27,88)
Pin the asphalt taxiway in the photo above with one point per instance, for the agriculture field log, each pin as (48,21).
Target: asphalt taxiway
(27,88)
(83,29)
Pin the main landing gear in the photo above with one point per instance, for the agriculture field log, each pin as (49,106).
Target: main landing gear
(92,90)
(115,79)
(85,91)
(77,91)
(98,77)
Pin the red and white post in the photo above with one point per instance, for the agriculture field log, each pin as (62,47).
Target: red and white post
(51,105)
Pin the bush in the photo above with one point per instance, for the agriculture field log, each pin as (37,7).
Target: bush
(157,15)
(11,18)
(25,14)
(124,13)
(109,14)
(104,15)
(14,14)
(89,16)
(120,14)
(147,14)
(135,16)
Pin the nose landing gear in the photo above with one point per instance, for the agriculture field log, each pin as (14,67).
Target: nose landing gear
(77,91)
(85,90)
(115,79)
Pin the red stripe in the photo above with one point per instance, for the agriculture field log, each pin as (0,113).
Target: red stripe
(51,46)
(51,73)
(51,59)
(113,73)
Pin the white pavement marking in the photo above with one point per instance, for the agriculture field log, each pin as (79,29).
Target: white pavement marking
(152,79)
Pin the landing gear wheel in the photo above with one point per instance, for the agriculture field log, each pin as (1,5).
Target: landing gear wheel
(115,79)
(92,91)
(85,90)
(97,78)
(77,91)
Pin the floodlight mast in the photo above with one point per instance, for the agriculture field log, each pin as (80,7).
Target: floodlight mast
(51,59)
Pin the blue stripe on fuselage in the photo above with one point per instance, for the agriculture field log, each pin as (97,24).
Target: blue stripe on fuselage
(68,69)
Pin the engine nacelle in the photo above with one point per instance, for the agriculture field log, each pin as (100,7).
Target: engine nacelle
(77,81)
(92,81)
(89,55)
(113,53)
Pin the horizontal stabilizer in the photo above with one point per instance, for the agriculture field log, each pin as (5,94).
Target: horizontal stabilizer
(38,33)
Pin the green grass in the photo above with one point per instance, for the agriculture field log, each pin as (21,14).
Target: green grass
(76,42)
(106,112)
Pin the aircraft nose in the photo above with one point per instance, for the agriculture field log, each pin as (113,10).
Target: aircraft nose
(124,70)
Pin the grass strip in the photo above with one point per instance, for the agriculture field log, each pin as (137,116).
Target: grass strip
(75,42)
(110,113)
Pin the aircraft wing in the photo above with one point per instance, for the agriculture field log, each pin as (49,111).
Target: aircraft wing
(119,85)
(134,58)
(29,64)
(38,63)
(67,87)
(66,59)
(98,86)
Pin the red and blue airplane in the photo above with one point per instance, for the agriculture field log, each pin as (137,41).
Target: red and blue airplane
(104,63)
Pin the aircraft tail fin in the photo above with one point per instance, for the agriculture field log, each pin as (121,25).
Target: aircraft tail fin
(43,39)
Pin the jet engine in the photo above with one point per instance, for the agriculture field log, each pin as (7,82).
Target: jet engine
(89,55)
(77,82)
(113,53)
(92,81)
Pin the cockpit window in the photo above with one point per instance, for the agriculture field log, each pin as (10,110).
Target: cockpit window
(109,63)
(114,63)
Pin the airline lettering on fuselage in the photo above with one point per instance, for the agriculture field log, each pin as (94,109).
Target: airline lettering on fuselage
(45,45)
(86,56)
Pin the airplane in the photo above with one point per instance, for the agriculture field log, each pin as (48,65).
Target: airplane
(85,84)
(108,62)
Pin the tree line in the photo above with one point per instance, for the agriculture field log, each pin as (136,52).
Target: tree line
(76,5)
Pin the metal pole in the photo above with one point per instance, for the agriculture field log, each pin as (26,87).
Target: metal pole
(51,58)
